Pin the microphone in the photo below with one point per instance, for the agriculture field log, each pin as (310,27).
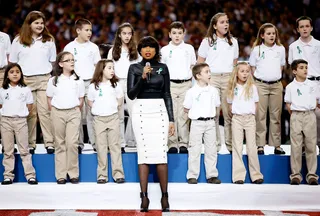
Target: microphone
(149,74)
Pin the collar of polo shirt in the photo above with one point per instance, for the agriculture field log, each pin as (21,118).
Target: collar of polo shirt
(201,88)
(266,47)
(220,39)
(39,38)
(176,46)
(83,44)
(62,76)
(300,83)
(13,86)
(306,44)
(105,83)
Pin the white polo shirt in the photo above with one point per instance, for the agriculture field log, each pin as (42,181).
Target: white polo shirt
(201,101)
(307,51)
(220,56)
(5,46)
(268,62)
(121,66)
(241,105)
(14,101)
(303,96)
(105,98)
(86,56)
(179,60)
(35,59)
(66,94)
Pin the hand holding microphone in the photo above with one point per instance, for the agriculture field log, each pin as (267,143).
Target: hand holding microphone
(147,72)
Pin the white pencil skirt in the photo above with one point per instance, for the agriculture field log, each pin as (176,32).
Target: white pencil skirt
(150,125)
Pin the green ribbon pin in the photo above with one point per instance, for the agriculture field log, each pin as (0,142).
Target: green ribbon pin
(215,45)
(198,97)
(236,91)
(170,54)
(100,92)
(299,92)
(299,50)
(75,51)
(159,70)
(263,56)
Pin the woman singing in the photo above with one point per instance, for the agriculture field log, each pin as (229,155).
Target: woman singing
(152,116)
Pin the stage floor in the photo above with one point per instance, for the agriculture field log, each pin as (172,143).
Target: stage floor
(182,196)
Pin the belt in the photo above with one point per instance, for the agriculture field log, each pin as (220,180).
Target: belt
(14,116)
(268,82)
(180,81)
(303,111)
(205,119)
(67,109)
(314,78)
(38,75)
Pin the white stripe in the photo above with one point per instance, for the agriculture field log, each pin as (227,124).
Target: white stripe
(64,213)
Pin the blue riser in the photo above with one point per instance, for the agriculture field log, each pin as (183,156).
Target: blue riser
(276,169)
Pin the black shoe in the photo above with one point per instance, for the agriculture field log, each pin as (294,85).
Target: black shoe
(165,202)
(50,149)
(192,181)
(238,182)
(183,150)
(313,181)
(79,150)
(15,150)
(61,181)
(123,150)
(173,150)
(295,181)
(144,207)
(120,180)
(32,150)
(102,181)
(32,181)
(279,151)
(213,180)
(74,180)
(6,181)
(260,150)
(258,181)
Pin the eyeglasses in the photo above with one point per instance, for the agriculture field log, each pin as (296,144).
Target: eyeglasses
(68,60)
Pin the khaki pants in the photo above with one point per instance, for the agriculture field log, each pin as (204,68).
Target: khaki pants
(270,97)
(66,134)
(247,123)
(107,135)
(38,86)
(220,81)
(303,130)
(86,118)
(317,111)
(206,131)
(130,139)
(17,127)
(2,76)
(181,136)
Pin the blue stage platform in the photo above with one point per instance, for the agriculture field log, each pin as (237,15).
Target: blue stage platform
(276,169)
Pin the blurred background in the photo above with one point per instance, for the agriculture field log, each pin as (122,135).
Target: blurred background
(151,17)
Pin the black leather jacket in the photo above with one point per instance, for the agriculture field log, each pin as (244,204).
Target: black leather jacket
(157,87)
